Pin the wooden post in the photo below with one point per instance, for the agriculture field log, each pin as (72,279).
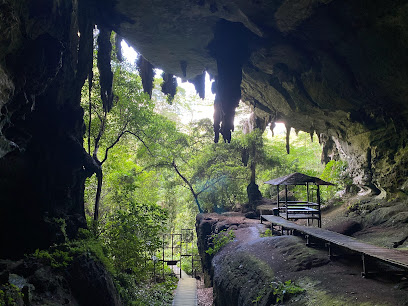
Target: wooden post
(364,273)
(307,192)
(172,246)
(278,197)
(154,270)
(328,245)
(162,258)
(286,201)
(319,222)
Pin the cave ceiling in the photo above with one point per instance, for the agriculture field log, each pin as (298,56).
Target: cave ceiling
(337,68)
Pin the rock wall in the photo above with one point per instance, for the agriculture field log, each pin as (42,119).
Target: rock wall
(208,224)
(84,281)
(43,64)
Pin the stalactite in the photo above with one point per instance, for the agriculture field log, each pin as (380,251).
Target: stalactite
(217,115)
(104,66)
(199,84)
(321,136)
(272,126)
(288,128)
(146,73)
(230,48)
(169,86)
(311,136)
(118,40)
(183,66)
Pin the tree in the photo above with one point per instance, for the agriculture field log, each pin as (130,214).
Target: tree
(175,151)
(129,113)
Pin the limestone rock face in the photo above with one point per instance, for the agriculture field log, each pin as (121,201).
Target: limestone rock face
(335,67)
(85,281)
(42,164)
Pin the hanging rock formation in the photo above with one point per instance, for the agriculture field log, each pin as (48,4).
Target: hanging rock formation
(334,67)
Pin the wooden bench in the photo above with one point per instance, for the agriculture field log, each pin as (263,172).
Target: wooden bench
(295,210)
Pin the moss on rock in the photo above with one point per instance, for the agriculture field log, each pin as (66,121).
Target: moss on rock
(240,278)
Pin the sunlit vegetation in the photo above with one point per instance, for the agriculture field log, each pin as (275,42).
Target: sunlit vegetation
(220,240)
(159,169)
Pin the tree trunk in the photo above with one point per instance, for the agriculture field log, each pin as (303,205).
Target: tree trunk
(253,173)
(99,177)
(198,204)
(195,195)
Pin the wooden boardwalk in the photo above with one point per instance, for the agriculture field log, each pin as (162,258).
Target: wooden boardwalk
(186,293)
(394,257)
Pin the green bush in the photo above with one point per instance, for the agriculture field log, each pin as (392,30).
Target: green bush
(10,295)
(132,236)
(220,240)
(54,257)
(335,172)
(138,293)
(284,290)
(267,233)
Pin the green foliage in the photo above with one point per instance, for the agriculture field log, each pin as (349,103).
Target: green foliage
(62,226)
(259,296)
(219,240)
(55,258)
(93,247)
(61,256)
(285,290)
(335,172)
(304,157)
(10,295)
(267,233)
(186,264)
(131,235)
(147,293)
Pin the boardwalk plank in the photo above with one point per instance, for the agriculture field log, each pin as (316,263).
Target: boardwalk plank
(186,293)
(395,257)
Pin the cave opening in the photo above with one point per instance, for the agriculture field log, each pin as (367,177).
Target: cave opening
(333,69)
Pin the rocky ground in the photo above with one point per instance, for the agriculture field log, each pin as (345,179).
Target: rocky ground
(83,280)
(243,271)
(204,295)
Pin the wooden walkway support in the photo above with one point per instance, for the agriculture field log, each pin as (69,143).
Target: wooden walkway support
(395,258)
(186,293)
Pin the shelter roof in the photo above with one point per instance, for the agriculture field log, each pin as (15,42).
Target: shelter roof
(297,179)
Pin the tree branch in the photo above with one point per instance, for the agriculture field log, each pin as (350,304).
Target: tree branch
(173,163)
(117,140)
(98,138)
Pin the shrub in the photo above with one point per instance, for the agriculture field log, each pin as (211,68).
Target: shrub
(267,233)
(220,240)
(284,290)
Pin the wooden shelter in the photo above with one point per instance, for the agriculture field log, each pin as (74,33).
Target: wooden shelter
(293,210)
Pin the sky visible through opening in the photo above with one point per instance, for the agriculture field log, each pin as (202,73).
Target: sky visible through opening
(200,111)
